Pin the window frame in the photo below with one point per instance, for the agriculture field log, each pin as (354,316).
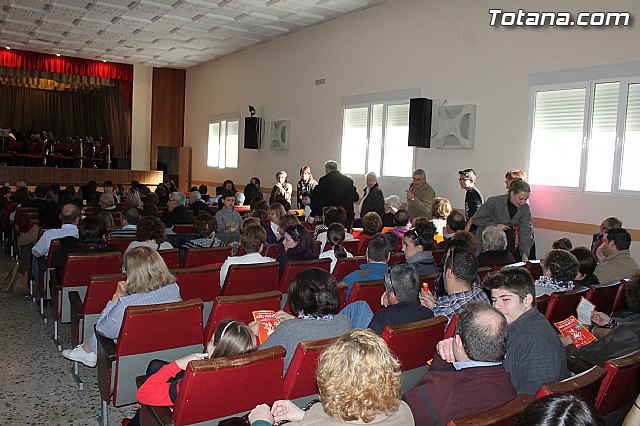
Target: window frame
(218,118)
(396,97)
(589,84)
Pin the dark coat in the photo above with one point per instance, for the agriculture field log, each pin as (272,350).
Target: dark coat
(374,202)
(334,189)
(179,215)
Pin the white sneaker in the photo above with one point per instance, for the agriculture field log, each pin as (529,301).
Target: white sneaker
(78,354)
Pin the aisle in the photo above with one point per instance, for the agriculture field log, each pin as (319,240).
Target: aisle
(37,387)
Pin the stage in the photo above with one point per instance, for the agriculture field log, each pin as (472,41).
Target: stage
(76,177)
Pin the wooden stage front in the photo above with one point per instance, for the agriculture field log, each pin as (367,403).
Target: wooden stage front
(76,177)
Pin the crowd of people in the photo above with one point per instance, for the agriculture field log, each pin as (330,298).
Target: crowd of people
(503,345)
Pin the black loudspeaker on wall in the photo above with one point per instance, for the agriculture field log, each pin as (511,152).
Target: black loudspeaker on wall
(253,132)
(420,122)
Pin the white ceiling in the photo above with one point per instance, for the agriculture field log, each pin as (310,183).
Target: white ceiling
(159,33)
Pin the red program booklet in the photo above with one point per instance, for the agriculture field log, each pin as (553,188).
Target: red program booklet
(579,333)
(268,323)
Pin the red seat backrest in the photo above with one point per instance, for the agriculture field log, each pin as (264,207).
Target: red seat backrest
(171,257)
(430,280)
(603,296)
(620,303)
(300,380)
(504,415)
(295,266)
(414,343)
(620,385)
(396,258)
(206,256)
(100,290)
(563,305)
(584,385)
(183,228)
(239,308)
(347,265)
(438,256)
(251,279)
(542,302)
(79,267)
(121,243)
(351,246)
(362,245)
(534,268)
(231,382)
(369,291)
(270,250)
(198,283)
(451,328)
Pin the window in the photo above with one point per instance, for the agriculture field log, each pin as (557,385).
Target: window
(375,133)
(584,136)
(223,141)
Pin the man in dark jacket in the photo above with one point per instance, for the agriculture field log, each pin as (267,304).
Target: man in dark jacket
(334,189)
(177,213)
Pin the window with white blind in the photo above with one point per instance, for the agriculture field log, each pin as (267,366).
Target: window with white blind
(585,136)
(375,132)
(222,143)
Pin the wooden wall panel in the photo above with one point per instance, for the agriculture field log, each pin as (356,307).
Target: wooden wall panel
(49,175)
(167,110)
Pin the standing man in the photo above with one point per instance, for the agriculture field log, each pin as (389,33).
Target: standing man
(473,199)
(334,189)
(420,196)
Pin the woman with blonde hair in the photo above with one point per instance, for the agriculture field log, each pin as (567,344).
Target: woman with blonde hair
(440,211)
(282,188)
(133,200)
(358,381)
(148,282)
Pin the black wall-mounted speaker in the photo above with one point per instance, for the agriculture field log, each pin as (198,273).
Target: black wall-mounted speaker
(420,122)
(253,131)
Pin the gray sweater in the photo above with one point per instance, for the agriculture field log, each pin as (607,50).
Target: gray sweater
(291,332)
(495,211)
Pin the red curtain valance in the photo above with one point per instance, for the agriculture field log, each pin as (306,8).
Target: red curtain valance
(65,65)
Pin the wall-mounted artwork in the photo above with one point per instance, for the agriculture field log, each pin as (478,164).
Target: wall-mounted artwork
(456,126)
(280,130)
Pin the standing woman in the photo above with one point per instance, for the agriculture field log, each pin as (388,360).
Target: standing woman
(282,187)
(511,214)
(305,184)
(372,199)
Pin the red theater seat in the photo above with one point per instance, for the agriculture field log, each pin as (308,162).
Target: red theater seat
(620,385)
(584,385)
(171,257)
(504,415)
(206,256)
(347,265)
(604,296)
(300,379)
(368,291)
(183,228)
(563,305)
(296,266)
(121,243)
(251,278)
(199,283)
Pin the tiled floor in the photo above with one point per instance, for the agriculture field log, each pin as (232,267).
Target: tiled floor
(36,386)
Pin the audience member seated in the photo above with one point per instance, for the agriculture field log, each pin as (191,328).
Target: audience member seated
(276,211)
(203,190)
(455,223)
(401,299)
(608,223)
(195,202)
(562,244)
(306,206)
(378,253)
(265,222)
(163,378)
(460,272)
(252,241)
(70,217)
(400,223)
(494,248)
(560,409)
(240,198)
(228,219)
(416,245)
(298,245)
(616,263)
(335,237)
(440,211)
(559,269)
(475,379)
(371,225)
(391,205)
(587,263)
(148,282)
(177,213)
(252,189)
(282,187)
(161,192)
(91,239)
(331,215)
(534,355)
(284,222)
(313,299)
(616,337)
(205,227)
(106,202)
(134,201)
(130,219)
(359,383)
(151,233)
(48,211)
(107,220)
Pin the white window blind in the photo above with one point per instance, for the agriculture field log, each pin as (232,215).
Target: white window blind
(222,148)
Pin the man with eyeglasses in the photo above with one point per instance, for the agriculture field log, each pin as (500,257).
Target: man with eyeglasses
(400,299)
(473,199)
(176,212)
(420,196)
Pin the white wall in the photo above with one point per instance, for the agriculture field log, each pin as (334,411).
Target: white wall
(448,50)
(141,117)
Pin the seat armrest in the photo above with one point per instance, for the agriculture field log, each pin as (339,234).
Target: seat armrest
(155,416)
(106,362)
(76,307)
(140,380)
(576,365)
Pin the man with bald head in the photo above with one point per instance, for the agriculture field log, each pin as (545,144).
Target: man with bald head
(70,217)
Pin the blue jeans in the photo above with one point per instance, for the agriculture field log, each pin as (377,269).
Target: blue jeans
(359,312)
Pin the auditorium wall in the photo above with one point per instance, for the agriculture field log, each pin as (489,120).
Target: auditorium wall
(445,48)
